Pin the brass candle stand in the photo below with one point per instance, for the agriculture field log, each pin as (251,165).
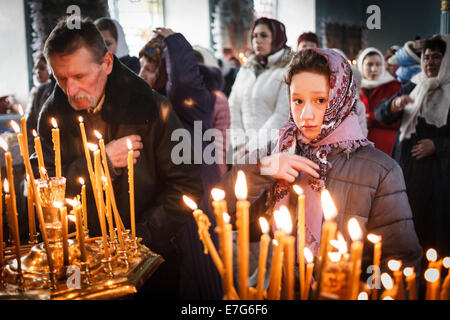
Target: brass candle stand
(119,275)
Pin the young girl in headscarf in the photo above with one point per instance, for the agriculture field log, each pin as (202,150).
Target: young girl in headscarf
(321,146)
(258,102)
(376,85)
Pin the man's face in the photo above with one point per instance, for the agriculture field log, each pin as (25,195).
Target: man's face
(82,79)
(432,62)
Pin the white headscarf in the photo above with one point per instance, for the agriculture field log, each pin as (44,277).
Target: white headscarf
(122,47)
(384,77)
(431,97)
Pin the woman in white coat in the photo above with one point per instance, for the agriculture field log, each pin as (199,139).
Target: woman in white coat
(258,100)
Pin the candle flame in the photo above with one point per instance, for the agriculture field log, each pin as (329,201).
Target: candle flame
(28,177)
(98,134)
(340,244)
(386,280)
(328,207)
(190,203)
(298,190)
(72,218)
(354,229)
(275,242)
(431,255)
(218,194)
(308,255)
(432,275)
(73,202)
(164,112)
(34,133)
(283,219)
(58,204)
(43,170)
(446,262)
(54,123)
(408,271)
(394,265)
(373,238)
(334,256)
(104,179)
(20,109)
(92,146)
(226,217)
(15,126)
(80,119)
(240,188)
(264,225)
(388,298)
(81,180)
(6,185)
(363,296)
(3,145)
(129,145)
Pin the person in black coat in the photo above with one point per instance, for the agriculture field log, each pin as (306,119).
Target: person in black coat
(422,146)
(92,83)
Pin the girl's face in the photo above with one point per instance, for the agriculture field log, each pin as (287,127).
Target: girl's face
(262,40)
(372,67)
(110,42)
(309,100)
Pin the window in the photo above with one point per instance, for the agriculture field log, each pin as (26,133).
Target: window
(138,18)
(265,8)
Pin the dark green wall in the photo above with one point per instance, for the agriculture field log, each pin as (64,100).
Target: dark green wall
(401,20)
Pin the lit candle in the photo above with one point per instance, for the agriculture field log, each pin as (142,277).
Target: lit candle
(277,258)
(363,296)
(83,202)
(289,252)
(228,257)
(432,256)
(63,213)
(29,171)
(30,205)
(328,230)
(263,250)
(376,240)
(203,224)
(301,234)
(88,157)
(242,225)
(38,149)
(112,237)
(79,226)
(445,293)
(100,208)
(13,224)
(411,281)
(220,206)
(23,124)
(356,254)
(394,266)
(388,284)
(309,270)
(109,189)
(131,187)
(56,147)
(432,277)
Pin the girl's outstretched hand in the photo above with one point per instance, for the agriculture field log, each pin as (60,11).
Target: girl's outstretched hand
(286,166)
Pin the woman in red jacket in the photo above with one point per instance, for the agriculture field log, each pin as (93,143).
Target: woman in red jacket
(377,85)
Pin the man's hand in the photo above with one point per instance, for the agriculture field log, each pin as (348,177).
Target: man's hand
(423,148)
(163,32)
(285,166)
(117,150)
(399,103)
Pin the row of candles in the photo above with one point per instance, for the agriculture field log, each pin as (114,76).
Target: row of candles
(283,257)
(101,185)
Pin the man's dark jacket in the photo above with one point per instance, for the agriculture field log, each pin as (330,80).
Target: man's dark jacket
(130,107)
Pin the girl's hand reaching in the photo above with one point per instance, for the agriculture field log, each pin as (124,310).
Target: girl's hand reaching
(286,166)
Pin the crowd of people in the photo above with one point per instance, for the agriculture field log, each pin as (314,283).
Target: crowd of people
(375,134)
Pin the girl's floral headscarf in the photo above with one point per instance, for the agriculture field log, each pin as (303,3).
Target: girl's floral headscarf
(340,128)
